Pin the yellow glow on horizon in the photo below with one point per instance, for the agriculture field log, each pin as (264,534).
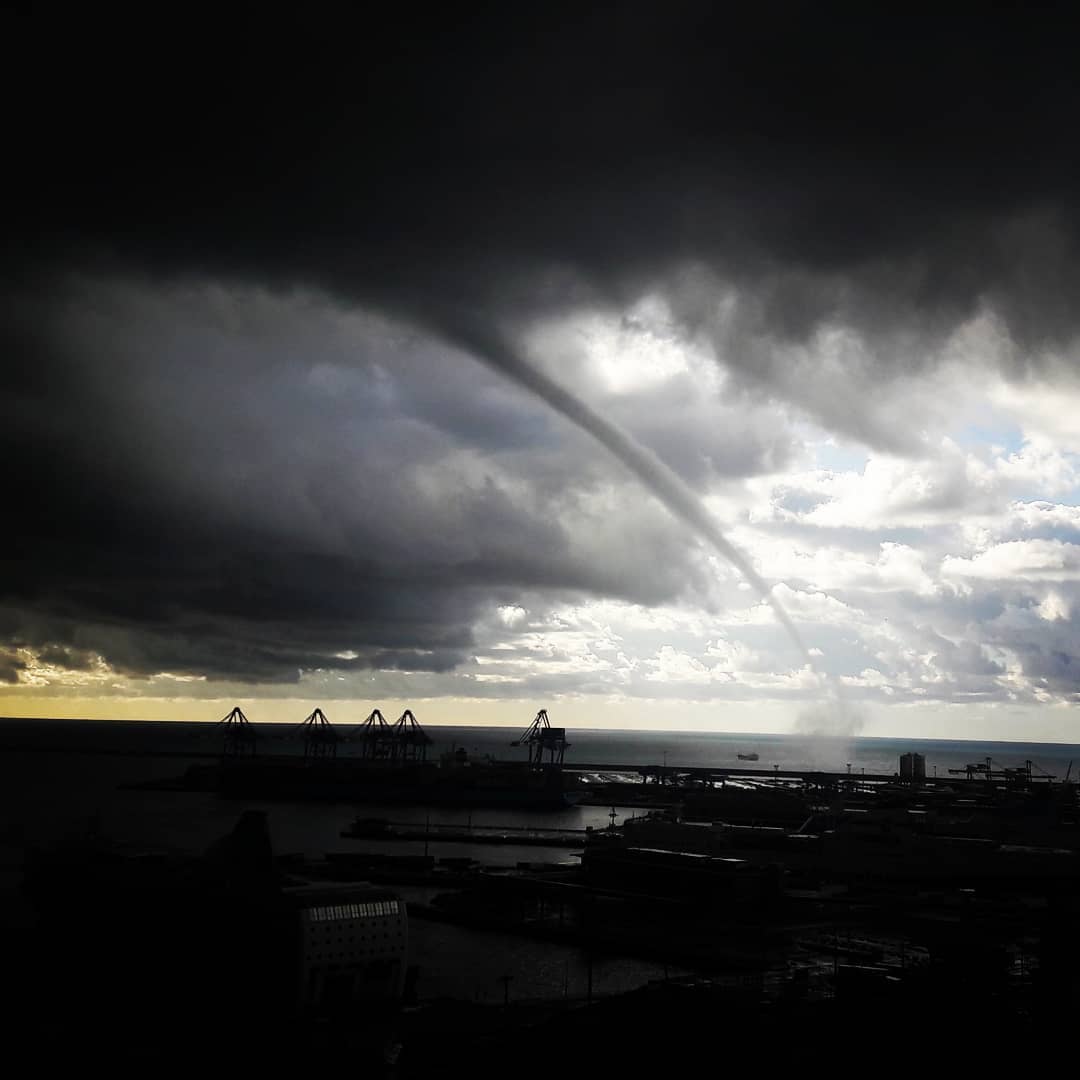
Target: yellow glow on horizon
(1051,724)
(632,715)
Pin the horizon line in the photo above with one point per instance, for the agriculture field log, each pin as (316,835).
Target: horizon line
(600,731)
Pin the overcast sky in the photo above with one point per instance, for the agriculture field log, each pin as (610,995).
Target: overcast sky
(286,308)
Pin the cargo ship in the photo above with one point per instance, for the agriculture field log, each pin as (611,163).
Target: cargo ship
(450,783)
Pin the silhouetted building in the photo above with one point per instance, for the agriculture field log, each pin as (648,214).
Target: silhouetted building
(353,942)
(912,768)
(167,940)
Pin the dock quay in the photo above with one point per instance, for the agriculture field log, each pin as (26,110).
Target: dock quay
(517,835)
(679,775)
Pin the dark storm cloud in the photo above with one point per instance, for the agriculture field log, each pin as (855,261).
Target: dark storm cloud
(892,177)
(63,656)
(238,485)
(793,145)
(464,174)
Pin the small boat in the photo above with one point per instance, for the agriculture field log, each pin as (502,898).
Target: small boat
(747,757)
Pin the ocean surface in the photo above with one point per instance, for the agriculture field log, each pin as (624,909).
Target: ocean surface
(61,778)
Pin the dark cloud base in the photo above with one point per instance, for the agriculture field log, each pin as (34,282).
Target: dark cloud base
(869,165)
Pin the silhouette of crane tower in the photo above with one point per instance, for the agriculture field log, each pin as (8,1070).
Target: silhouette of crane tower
(374,737)
(542,738)
(239,734)
(410,741)
(320,736)
(404,742)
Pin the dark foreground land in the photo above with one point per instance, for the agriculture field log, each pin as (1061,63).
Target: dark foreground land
(820,922)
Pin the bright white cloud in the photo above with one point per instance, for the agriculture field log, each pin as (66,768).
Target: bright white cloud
(1029,560)
(1045,409)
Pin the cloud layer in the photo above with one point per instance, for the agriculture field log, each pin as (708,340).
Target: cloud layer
(823,272)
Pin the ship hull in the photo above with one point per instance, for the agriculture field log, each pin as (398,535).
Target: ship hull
(418,785)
